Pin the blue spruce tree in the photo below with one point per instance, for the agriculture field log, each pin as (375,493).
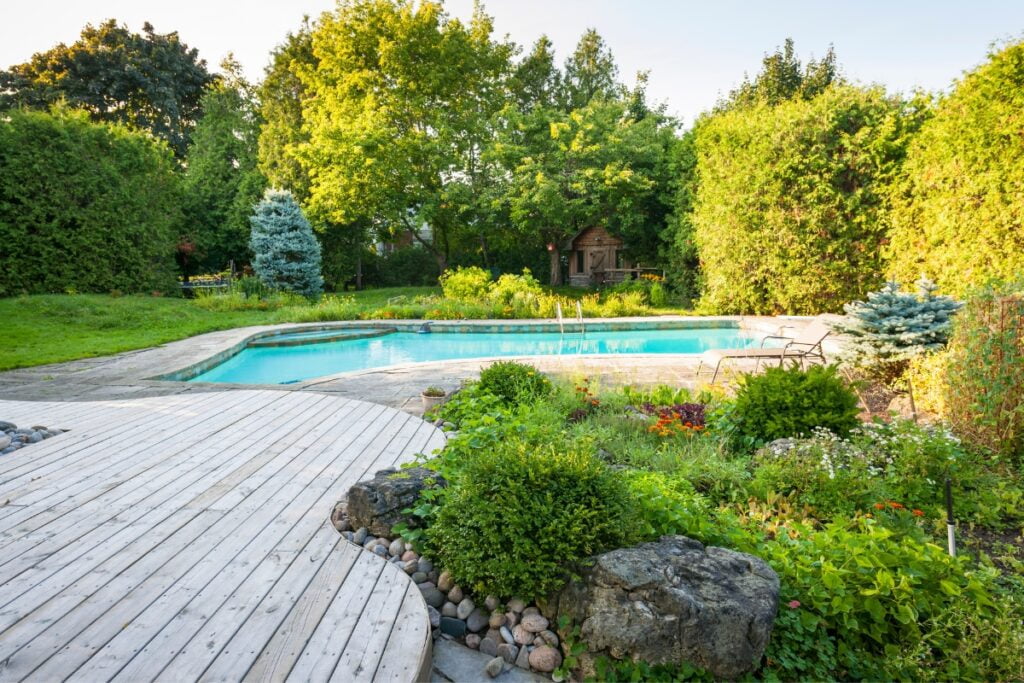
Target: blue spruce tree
(888,330)
(286,254)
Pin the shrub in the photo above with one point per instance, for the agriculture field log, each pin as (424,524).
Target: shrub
(891,328)
(522,515)
(985,371)
(85,206)
(957,213)
(286,254)
(514,383)
(406,266)
(667,504)
(854,597)
(790,210)
(520,291)
(786,402)
(899,462)
(465,284)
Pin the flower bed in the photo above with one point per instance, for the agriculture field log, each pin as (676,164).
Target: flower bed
(540,482)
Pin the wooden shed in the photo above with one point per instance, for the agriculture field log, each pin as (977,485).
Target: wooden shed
(595,258)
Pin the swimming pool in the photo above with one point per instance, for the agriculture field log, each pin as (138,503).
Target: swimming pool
(263,364)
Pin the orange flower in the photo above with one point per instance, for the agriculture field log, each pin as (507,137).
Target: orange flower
(917,513)
(895,506)
(879,506)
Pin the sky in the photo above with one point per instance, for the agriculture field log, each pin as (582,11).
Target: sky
(695,51)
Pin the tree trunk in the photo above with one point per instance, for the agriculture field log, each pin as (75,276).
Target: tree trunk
(359,273)
(556,267)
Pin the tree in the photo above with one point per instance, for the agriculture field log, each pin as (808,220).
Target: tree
(221,180)
(589,72)
(958,210)
(891,328)
(536,81)
(397,113)
(84,206)
(281,97)
(286,254)
(152,81)
(790,210)
(593,166)
(783,78)
(680,246)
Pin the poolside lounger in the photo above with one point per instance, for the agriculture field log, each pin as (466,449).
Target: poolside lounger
(806,344)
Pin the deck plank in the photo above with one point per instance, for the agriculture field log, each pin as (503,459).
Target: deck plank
(186,538)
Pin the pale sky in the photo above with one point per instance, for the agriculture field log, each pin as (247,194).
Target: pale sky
(695,51)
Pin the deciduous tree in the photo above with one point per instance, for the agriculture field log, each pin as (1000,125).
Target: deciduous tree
(150,80)
(221,180)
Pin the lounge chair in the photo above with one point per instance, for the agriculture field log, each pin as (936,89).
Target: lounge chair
(805,345)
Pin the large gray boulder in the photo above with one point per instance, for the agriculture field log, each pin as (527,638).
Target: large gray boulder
(377,503)
(675,601)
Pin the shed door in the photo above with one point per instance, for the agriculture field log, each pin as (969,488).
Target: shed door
(598,259)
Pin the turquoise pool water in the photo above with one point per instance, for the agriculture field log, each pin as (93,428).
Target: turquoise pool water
(281,365)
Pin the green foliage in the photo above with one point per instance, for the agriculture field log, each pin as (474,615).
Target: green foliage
(518,291)
(83,205)
(396,109)
(592,166)
(281,94)
(882,463)
(221,183)
(790,210)
(788,402)
(286,255)
(863,596)
(514,383)
(523,514)
(667,504)
(590,72)
(957,213)
(151,81)
(984,380)
(466,284)
(783,78)
(891,328)
(404,266)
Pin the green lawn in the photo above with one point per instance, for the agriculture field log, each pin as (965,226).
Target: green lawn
(54,327)
(51,328)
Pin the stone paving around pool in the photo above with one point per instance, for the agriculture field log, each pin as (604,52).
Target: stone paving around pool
(129,375)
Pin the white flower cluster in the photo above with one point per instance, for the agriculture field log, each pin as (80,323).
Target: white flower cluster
(876,446)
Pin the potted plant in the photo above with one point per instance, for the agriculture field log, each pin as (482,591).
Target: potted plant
(432,398)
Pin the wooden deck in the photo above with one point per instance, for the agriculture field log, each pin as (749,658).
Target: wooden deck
(187,538)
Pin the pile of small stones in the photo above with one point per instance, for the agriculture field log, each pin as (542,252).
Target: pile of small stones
(12,438)
(513,634)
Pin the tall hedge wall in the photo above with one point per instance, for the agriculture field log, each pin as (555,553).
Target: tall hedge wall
(789,214)
(85,206)
(958,215)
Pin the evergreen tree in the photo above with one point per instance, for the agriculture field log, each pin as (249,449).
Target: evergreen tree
(590,72)
(286,254)
(783,78)
(892,327)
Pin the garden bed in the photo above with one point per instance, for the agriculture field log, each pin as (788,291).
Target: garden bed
(541,479)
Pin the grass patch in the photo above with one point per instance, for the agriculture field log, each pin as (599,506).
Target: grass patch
(52,328)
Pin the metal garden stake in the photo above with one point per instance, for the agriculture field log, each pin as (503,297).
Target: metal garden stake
(950,524)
